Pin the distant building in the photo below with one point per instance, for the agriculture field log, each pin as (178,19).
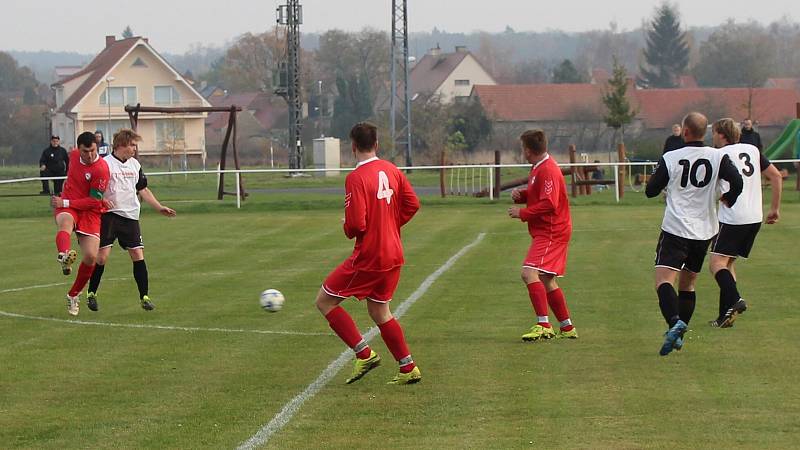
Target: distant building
(450,76)
(127,72)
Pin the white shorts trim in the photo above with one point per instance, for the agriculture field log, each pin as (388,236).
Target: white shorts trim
(670,268)
(96,236)
(132,248)
(378,301)
(327,291)
(538,269)
(727,256)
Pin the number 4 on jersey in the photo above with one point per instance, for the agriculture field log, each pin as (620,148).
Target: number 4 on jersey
(384,191)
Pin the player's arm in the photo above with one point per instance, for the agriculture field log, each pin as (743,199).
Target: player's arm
(546,202)
(355,209)
(729,173)
(409,202)
(658,180)
(775,179)
(93,202)
(148,197)
(519,195)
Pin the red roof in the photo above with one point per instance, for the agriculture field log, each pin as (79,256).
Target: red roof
(657,108)
(97,69)
(660,108)
(541,102)
(783,83)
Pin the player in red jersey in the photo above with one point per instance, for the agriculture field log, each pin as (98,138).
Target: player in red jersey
(79,209)
(550,227)
(378,201)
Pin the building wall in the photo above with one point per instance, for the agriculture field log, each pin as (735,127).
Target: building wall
(468,69)
(93,115)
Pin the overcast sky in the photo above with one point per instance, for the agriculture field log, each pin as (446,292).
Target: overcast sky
(173,25)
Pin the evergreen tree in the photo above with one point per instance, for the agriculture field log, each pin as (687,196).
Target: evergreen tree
(667,52)
(127,32)
(566,73)
(619,109)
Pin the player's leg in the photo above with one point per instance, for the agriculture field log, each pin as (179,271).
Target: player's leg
(558,303)
(141,276)
(65,223)
(538,298)
(97,274)
(90,246)
(393,337)
(687,298)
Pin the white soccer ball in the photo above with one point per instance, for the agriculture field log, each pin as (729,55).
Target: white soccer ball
(271,300)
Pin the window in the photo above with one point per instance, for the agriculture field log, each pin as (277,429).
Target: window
(108,133)
(462,82)
(139,63)
(166,95)
(119,96)
(170,135)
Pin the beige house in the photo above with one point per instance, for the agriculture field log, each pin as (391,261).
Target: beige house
(127,72)
(447,75)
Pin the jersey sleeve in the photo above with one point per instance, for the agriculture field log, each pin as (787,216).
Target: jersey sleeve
(355,208)
(142,183)
(763,162)
(409,202)
(658,180)
(729,173)
(97,187)
(546,199)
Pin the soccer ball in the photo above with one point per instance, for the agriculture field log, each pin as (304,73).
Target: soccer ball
(271,300)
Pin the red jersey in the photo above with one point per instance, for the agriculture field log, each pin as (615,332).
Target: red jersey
(378,201)
(547,205)
(85,183)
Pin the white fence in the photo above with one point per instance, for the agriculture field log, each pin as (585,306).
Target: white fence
(480,169)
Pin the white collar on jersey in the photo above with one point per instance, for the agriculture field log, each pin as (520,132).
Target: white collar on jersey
(546,157)
(374,158)
(93,161)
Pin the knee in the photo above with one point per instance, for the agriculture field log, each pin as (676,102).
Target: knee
(528,276)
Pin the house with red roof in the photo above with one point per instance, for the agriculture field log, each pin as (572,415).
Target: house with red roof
(127,72)
(573,113)
(450,76)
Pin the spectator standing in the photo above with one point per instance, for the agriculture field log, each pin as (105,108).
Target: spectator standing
(53,163)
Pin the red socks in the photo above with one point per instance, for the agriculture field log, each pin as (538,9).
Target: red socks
(344,327)
(84,273)
(62,241)
(539,301)
(558,304)
(393,336)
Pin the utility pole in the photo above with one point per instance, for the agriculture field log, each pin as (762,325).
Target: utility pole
(291,15)
(400,102)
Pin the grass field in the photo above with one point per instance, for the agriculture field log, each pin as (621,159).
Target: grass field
(71,383)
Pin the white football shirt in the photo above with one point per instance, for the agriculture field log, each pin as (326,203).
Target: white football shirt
(747,208)
(692,192)
(126,180)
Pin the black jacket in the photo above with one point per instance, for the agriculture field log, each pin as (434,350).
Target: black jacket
(751,137)
(673,143)
(55,160)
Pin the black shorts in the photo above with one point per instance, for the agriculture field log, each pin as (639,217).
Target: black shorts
(127,231)
(680,253)
(735,241)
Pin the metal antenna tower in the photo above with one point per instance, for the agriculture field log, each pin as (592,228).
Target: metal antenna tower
(291,15)
(400,102)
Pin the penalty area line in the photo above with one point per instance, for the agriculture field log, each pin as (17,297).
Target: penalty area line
(290,409)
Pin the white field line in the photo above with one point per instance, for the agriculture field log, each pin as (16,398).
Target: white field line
(158,327)
(290,409)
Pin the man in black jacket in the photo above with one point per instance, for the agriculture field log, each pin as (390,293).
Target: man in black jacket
(675,140)
(749,135)
(53,163)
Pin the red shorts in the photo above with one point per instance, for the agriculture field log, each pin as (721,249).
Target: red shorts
(346,281)
(547,256)
(86,222)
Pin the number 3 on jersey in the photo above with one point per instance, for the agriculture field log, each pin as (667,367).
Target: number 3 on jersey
(384,191)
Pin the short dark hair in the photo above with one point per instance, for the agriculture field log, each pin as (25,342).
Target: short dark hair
(696,123)
(86,139)
(364,135)
(535,141)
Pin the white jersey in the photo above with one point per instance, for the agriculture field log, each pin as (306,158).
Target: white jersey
(692,192)
(750,163)
(126,180)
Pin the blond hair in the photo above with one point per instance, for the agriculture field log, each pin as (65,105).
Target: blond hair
(125,136)
(728,128)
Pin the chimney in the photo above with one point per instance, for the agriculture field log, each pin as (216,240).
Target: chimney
(146,40)
(110,40)
(461,49)
(435,51)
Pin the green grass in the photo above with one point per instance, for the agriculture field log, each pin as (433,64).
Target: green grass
(64,385)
